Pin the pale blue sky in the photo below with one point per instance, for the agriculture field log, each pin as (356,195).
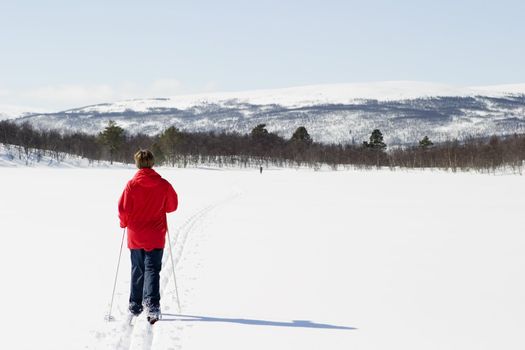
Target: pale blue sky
(59,54)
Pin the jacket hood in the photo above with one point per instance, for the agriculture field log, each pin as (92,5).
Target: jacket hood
(147,177)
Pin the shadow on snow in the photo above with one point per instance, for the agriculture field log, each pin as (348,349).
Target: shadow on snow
(294,323)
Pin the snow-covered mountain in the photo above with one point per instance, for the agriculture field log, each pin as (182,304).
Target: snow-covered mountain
(13,112)
(404,111)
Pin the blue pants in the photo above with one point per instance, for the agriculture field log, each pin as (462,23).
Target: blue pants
(145,279)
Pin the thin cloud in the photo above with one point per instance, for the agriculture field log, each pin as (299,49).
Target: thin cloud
(74,95)
(70,94)
(211,86)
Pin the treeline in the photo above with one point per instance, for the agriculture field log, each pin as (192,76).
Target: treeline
(173,147)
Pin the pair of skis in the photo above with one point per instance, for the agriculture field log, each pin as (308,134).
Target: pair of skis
(130,339)
(152,319)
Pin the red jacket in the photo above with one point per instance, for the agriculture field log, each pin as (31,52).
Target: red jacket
(142,209)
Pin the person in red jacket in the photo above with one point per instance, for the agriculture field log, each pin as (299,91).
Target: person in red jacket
(142,210)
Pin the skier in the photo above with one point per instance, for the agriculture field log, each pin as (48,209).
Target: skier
(142,209)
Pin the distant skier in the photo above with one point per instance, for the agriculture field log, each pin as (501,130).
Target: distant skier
(142,209)
(260,170)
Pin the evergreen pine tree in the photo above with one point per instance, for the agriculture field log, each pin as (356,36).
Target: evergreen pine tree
(376,141)
(160,158)
(112,137)
(425,142)
(169,141)
(301,135)
(259,131)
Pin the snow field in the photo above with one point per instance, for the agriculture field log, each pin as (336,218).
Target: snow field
(283,260)
(14,156)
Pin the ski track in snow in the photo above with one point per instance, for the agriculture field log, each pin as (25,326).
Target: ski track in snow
(141,335)
(124,342)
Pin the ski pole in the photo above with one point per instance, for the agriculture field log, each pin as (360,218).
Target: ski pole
(173,270)
(109,317)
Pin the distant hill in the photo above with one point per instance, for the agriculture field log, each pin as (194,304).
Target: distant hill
(404,111)
(13,112)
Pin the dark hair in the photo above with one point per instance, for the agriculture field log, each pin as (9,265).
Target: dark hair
(144,159)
